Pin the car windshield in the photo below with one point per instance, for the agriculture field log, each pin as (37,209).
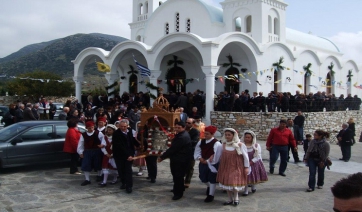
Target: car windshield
(59,106)
(11,131)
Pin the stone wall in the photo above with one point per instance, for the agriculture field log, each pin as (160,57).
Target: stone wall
(7,100)
(261,123)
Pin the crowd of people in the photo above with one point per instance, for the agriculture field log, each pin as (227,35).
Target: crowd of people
(233,163)
(285,102)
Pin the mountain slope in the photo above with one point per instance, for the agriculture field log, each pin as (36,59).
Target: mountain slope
(57,55)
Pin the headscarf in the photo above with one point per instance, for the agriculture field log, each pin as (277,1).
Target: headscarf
(234,142)
(253,144)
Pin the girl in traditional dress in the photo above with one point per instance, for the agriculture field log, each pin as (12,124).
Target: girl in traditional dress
(108,163)
(257,173)
(234,166)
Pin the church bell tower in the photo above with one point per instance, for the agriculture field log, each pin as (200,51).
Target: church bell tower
(263,20)
(142,11)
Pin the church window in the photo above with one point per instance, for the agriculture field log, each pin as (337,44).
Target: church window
(159,3)
(138,38)
(177,22)
(188,25)
(238,24)
(140,9)
(270,24)
(167,29)
(146,7)
(276,26)
(248,23)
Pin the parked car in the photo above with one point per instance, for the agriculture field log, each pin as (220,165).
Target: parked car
(59,107)
(3,110)
(33,142)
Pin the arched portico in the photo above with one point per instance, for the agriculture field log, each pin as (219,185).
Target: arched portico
(85,58)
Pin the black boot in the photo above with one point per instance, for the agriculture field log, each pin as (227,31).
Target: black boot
(209,198)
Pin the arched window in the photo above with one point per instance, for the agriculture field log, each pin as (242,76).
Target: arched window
(140,9)
(146,7)
(159,3)
(188,25)
(248,24)
(177,22)
(270,28)
(237,24)
(276,26)
(138,38)
(167,28)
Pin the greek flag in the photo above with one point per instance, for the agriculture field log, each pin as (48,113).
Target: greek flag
(143,69)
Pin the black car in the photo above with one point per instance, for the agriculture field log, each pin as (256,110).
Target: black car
(33,142)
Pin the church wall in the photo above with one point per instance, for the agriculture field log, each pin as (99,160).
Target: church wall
(201,25)
(354,80)
(241,57)
(272,55)
(193,71)
(262,123)
(337,90)
(302,60)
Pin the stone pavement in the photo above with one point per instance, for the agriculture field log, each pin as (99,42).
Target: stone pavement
(51,188)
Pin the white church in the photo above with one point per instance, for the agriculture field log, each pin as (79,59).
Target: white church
(244,44)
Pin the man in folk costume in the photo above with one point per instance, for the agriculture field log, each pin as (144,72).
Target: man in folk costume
(208,152)
(88,148)
(108,164)
(123,143)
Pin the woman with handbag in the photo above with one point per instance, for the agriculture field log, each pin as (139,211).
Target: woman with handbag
(316,158)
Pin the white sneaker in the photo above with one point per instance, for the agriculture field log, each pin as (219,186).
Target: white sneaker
(139,173)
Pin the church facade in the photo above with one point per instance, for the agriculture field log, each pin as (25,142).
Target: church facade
(244,44)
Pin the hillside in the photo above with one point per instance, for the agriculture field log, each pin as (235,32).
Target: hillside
(56,55)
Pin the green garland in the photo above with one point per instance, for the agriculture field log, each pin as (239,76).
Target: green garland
(111,86)
(153,87)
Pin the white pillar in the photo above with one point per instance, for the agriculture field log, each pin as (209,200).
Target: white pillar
(153,80)
(78,87)
(209,72)
(111,78)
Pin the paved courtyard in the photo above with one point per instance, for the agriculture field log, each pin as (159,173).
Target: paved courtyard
(51,188)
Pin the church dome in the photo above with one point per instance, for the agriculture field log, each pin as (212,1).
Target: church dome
(216,14)
(310,40)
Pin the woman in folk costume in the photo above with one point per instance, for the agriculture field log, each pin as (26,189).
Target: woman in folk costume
(108,164)
(258,173)
(233,167)
(208,152)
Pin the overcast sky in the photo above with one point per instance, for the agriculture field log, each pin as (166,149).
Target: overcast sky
(24,22)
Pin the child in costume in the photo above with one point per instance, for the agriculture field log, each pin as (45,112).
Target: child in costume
(208,152)
(257,173)
(233,167)
(108,164)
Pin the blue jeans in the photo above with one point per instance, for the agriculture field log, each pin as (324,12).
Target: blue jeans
(275,151)
(313,167)
(301,136)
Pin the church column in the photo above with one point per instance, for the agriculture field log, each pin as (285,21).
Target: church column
(78,86)
(153,80)
(209,72)
(111,78)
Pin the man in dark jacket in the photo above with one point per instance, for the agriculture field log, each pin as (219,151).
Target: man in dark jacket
(345,142)
(19,113)
(180,154)
(123,152)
